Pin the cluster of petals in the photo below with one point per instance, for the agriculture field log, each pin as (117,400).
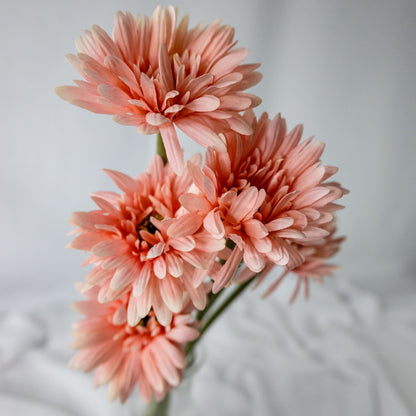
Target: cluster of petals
(143,243)
(314,266)
(268,193)
(148,355)
(316,255)
(154,74)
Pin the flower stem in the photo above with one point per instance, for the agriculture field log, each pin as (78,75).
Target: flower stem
(227,302)
(160,148)
(211,300)
(158,408)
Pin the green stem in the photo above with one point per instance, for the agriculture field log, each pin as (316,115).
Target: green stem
(160,148)
(211,300)
(159,408)
(236,292)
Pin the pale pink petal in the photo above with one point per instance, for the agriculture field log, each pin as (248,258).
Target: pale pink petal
(253,259)
(124,275)
(278,254)
(310,196)
(120,316)
(310,178)
(201,133)
(142,279)
(156,251)
(114,94)
(206,243)
(242,205)
(169,372)
(108,196)
(315,232)
(183,334)
(183,244)
(145,389)
(165,68)
(104,373)
(106,294)
(239,125)
(279,224)
(95,335)
(112,247)
(254,228)
(172,146)
(289,233)
(98,275)
(205,103)
(196,289)
(194,258)
(235,102)
(295,257)
(229,79)
(151,370)
(185,225)
(114,262)
(88,308)
(156,119)
(123,181)
(229,62)
(159,267)
(227,270)
(137,309)
(163,313)
(209,189)
(176,355)
(88,359)
(174,264)
(194,203)
(105,205)
(213,224)
(87,240)
(171,291)
(262,245)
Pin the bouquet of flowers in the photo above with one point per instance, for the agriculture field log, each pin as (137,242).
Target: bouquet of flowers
(181,241)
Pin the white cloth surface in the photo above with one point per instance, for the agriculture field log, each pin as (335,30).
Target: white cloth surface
(346,351)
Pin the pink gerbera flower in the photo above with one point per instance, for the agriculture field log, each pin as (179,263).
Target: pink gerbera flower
(148,354)
(154,73)
(268,194)
(141,244)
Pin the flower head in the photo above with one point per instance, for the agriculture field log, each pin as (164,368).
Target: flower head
(154,73)
(268,193)
(144,243)
(148,354)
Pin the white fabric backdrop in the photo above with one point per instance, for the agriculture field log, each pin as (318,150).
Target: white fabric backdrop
(345,70)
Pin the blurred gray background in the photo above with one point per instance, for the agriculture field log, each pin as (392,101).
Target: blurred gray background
(346,70)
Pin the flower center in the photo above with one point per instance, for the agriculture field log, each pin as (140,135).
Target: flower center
(143,322)
(147,225)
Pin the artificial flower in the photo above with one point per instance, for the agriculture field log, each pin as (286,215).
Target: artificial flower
(148,354)
(155,73)
(143,242)
(268,194)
